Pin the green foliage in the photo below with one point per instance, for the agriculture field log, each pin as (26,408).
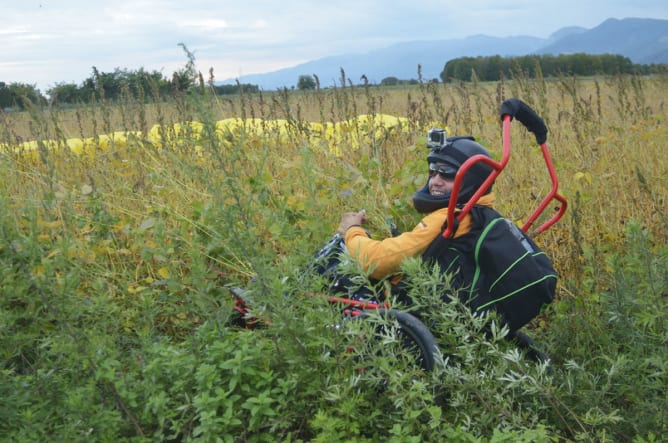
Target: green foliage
(116,324)
(389,81)
(306,82)
(18,95)
(615,340)
(245,88)
(394,81)
(113,86)
(494,68)
(71,370)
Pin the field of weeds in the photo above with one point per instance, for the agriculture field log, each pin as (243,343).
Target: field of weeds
(122,223)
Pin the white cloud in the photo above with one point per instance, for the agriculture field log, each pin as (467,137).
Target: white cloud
(206,24)
(59,41)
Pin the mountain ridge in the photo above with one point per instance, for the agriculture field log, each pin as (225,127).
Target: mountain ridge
(642,40)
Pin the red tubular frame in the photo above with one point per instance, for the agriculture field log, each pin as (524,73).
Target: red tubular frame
(497,167)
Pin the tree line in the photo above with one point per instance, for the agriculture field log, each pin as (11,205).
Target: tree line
(494,68)
(137,84)
(152,85)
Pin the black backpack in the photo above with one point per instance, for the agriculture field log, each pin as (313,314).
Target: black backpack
(496,266)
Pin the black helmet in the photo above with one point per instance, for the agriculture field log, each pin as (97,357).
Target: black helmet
(454,152)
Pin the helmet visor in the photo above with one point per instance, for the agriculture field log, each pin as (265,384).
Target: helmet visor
(444,170)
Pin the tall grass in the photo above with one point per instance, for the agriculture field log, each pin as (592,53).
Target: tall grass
(115,321)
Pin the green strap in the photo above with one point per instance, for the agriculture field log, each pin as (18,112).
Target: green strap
(512,266)
(476,275)
(516,291)
(478,245)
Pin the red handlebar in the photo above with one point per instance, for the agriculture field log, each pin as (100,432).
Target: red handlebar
(497,167)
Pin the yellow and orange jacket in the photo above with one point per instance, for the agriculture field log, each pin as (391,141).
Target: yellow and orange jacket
(383,258)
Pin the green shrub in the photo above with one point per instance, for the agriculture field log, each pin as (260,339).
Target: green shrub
(116,323)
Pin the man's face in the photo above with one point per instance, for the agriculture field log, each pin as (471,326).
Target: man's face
(440,182)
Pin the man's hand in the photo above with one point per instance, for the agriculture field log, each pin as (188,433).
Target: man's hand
(349,219)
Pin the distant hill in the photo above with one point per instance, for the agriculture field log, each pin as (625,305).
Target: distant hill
(643,41)
(400,60)
(565,32)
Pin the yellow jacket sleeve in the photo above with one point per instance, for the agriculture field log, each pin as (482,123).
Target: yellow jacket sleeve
(382,258)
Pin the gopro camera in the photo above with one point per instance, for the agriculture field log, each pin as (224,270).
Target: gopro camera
(436,138)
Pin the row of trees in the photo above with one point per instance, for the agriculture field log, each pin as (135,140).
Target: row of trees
(308,82)
(138,84)
(145,85)
(16,94)
(493,68)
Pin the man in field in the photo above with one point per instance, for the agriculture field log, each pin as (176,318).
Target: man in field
(492,263)
(383,258)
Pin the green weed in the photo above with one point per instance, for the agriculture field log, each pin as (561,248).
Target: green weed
(115,320)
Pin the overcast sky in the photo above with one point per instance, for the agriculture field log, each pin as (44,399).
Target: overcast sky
(45,42)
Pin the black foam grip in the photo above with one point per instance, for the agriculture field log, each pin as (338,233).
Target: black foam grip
(524,114)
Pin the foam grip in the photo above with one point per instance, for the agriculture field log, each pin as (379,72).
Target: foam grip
(516,108)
